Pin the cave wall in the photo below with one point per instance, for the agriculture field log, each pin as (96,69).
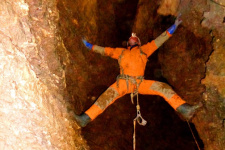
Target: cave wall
(33,112)
(212,116)
(205,20)
(214,94)
(45,69)
(82,73)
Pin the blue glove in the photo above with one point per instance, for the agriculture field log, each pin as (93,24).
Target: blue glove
(88,45)
(173,28)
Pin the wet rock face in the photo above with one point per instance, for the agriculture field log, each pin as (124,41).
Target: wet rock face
(206,20)
(33,112)
(192,52)
(168,7)
(214,97)
(212,116)
(87,74)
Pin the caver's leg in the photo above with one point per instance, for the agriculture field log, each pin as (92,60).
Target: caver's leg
(152,87)
(106,99)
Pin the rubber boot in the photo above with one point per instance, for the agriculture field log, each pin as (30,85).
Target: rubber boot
(187,111)
(82,120)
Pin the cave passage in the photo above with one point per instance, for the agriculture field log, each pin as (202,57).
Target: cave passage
(115,20)
(47,73)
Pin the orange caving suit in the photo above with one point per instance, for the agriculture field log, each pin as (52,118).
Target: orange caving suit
(132,67)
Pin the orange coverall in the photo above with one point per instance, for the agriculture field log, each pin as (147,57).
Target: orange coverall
(132,67)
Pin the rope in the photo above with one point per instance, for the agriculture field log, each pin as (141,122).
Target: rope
(193,135)
(134,135)
(138,119)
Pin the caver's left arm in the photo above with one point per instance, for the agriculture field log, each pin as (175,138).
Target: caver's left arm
(152,46)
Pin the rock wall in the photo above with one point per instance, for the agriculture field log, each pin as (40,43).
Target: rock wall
(204,19)
(33,112)
(83,78)
(45,69)
(214,95)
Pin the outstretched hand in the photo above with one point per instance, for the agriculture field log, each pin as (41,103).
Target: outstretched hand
(88,45)
(178,20)
(173,28)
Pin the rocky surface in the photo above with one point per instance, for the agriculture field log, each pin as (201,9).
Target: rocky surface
(32,108)
(46,70)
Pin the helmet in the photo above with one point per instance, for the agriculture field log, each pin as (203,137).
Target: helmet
(133,40)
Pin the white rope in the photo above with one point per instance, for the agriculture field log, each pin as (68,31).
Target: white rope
(138,119)
(134,135)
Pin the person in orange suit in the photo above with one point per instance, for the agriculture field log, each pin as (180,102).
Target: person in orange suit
(132,63)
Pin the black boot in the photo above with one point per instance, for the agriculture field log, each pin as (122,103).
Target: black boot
(82,120)
(187,111)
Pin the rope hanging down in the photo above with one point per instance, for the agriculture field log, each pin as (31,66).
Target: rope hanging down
(193,135)
(138,119)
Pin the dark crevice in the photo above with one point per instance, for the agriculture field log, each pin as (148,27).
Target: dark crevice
(208,58)
(125,14)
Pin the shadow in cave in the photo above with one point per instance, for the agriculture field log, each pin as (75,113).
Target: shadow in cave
(115,23)
(124,18)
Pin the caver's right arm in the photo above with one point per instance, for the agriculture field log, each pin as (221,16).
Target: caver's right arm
(105,51)
(152,46)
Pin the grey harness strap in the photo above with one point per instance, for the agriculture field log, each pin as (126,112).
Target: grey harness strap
(132,79)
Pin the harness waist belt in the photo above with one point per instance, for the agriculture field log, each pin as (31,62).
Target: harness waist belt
(128,78)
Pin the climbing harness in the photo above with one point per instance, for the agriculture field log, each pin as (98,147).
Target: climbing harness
(132,79)
(193,135)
